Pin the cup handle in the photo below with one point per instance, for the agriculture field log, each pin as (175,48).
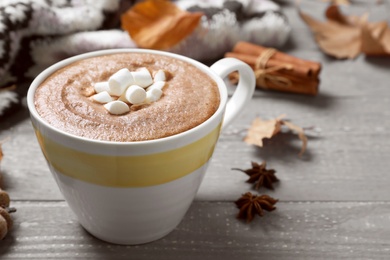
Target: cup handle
(245,87)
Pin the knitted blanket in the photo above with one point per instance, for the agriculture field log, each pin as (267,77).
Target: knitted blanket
(35,34)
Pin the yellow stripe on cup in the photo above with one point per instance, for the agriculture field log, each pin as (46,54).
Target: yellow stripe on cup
(129,171)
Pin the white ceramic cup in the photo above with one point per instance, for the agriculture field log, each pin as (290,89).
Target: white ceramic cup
(136,192)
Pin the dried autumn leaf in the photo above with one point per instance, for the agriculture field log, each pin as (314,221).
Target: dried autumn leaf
(371,35)
(158,24)
(386,41)
(334,38)
(333,13)
(344,36)
(301,135)
(261,129)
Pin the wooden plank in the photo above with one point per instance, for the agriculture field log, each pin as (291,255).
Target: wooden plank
(48,230)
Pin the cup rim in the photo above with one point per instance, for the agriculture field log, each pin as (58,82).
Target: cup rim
(58,65)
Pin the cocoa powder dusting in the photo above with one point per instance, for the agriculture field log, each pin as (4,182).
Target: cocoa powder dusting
(63,99)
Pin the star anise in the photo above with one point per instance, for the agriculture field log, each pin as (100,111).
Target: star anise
(260,175)
(250,205)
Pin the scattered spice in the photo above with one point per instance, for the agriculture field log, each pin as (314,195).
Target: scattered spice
(250,205)
(158,24)
(343,36)
(261,176)
(6,222)
(261,129)
(4,199)
(5,218)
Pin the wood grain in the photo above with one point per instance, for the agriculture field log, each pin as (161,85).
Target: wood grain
(296,230)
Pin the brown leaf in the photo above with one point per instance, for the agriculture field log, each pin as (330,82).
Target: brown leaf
(371,38)
(261,129)
(386,40)
(333,13)
(336,39)
(345,36)
(301,135)
(158,24)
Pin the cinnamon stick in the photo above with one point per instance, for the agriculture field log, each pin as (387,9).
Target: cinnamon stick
(298,85)
(276,70)
(314,68)
(299,71)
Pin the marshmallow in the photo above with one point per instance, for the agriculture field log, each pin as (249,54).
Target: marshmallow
(101,86)
(119,81)
(153,95)
(130,88)
(135,94)
(160,76)
(117,107)
(158,84)
(142,77)
(102,97)
(123,97)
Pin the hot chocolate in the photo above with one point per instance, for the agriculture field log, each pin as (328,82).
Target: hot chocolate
(65,99)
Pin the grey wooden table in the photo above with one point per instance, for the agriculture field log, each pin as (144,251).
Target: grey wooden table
(334,201)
